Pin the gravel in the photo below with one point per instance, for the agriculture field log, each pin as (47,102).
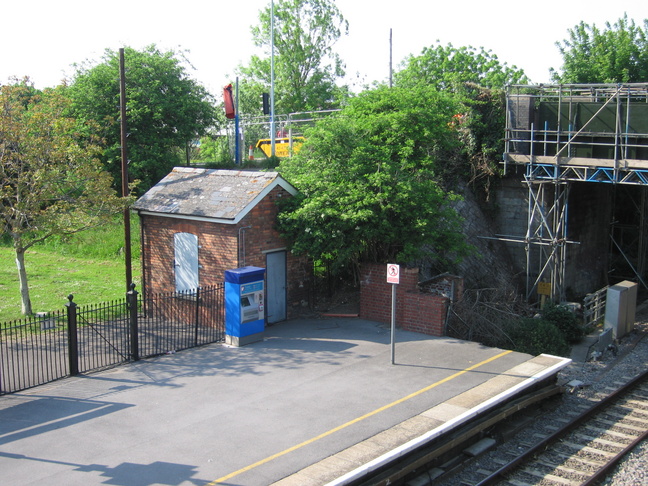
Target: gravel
(598,378)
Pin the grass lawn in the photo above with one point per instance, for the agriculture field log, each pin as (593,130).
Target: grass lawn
(53,276)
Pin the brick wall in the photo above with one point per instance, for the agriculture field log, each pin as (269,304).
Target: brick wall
(209,311)
(415,310)
(263,238)
(219,249)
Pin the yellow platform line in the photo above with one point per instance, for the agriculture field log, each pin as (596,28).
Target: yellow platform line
(356,420)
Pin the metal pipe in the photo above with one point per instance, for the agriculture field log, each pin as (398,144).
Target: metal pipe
(617,127)
(531,154)
(527,247)
(507,129)
(241,241)
(627,128)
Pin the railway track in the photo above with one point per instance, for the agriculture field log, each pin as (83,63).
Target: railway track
(587,446)
(578,448)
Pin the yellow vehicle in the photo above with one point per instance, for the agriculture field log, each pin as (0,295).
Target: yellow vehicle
(283,146)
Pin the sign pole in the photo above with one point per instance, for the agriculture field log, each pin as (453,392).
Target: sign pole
(393,277)
(393,322)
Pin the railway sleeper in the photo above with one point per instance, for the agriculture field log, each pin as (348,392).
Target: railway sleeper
(638,404)
(564,469)
(602,431)
(550,477)
(515,482)
(625,418)
(599,441)
(588,449)
(621,425)
(569,458)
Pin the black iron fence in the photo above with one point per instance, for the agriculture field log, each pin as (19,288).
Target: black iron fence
(79,339)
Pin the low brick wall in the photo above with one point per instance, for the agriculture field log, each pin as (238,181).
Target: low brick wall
(415,311)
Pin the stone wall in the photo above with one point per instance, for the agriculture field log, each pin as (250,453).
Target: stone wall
(511,218)
(588,220)
(490,264)
(590,213)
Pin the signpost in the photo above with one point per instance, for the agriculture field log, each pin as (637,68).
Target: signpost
(393,277)
(544,291)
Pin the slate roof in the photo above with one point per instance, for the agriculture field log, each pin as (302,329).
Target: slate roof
(223,195)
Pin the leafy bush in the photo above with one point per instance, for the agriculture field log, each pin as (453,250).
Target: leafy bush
(564,319)
(537,336)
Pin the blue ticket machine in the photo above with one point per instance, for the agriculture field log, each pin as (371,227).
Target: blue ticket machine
(244,305)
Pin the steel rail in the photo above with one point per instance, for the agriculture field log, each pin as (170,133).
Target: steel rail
(418,458)
(540,446)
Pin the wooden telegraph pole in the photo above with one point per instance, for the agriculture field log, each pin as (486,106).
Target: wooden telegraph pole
(124,169)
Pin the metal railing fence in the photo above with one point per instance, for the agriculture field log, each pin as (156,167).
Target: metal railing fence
(174,321)
(33,351)
(594,307)
(79,339)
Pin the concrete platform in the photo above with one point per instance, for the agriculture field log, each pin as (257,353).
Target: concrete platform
(369,455)
(317,401)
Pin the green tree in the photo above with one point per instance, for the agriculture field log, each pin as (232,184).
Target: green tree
(51,181)
(368,185)
(166,110)
(616,54)
(305,65)
(457,68)
(477,78)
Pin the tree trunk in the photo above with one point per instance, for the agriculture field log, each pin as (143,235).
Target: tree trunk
(24,286)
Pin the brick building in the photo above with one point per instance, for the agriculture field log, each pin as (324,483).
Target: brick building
(197,223)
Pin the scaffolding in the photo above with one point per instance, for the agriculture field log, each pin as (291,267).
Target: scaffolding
(563,134)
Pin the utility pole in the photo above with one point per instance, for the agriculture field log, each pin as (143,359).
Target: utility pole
(390,58)
(237,129)
(272,102)
(124,168)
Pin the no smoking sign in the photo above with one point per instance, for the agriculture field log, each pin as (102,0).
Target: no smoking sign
(393,273)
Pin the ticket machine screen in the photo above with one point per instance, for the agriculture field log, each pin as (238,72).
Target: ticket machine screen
(252,302)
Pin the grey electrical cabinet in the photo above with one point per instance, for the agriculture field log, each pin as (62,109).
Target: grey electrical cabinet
(621,308)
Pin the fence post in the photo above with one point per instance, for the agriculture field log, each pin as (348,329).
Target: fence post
(73,343)
(197,316)
(131,300)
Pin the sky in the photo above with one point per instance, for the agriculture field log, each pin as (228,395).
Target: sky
(42,39)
